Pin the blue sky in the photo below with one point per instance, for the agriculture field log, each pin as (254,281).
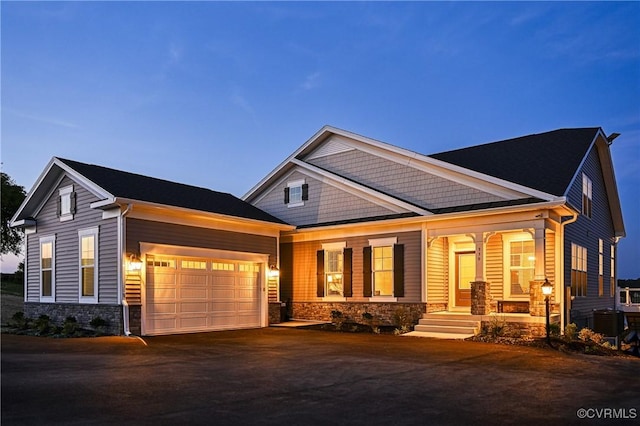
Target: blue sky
(217,94)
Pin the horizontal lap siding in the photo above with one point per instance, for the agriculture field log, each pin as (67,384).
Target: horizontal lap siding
(303,257)
(494,266)
(550,256)
(67,248)
(139,230)
(326,203)
(586,232)
(401,180)
(437,272)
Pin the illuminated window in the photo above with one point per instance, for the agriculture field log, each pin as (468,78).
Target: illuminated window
(193,264)
(47,269)
(160,262)
(88,265)
(333,262)
(586,195)
(222,266)
(578,271)
(249,267)
(612,283)
(382,270)
(600,268)
(521,267)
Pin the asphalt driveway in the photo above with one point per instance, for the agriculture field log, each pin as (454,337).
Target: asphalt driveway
(285,376)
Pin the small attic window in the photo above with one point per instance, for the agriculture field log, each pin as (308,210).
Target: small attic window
(296,193)
(66,203)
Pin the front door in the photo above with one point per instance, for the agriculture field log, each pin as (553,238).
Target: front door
(465,274)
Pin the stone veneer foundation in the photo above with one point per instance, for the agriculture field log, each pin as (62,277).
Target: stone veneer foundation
(83,313)
(384,313)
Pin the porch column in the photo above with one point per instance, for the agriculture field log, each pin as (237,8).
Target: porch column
(537,305)
(480,289)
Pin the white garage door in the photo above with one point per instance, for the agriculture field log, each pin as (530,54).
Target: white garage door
(184,294)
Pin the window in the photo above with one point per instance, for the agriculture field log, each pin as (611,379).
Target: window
(600,269)
(222,266)
(296,193)
(333,270)
(193,264)
(383,268)
(47,269)
(612,283)
(521,267)
(586,195)
(578,271)
(249,267)
(383,271)
(66,203)
(160,262)
(88,265)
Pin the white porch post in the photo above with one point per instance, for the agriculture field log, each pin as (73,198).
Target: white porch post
(540,263)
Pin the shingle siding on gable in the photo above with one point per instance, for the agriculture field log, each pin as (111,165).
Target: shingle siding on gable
(401,181)
(586,232)
(67,248)
(326,203)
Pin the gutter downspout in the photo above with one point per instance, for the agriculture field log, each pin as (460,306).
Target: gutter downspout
(122,242)
(564,288)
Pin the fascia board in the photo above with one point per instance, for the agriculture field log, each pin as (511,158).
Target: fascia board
(608,171)
(559,203)
(208,215)
(578,169)
(360,190)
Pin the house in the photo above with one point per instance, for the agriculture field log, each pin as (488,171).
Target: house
(89,230)
(345,224)
(449,237)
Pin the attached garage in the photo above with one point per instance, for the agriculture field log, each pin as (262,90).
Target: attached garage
(215,290)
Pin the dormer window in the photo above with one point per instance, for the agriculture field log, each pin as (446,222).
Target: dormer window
(66,203)
(296,193)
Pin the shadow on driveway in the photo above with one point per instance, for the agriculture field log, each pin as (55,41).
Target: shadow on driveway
(302,377)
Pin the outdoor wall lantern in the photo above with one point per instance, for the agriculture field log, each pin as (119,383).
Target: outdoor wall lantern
(274,272)
(547,289)
(135,264)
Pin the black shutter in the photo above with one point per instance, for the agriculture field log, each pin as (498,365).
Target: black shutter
(286,195)
(305,192)
(320,273)
(398,270)
(346,272)
(72,199)
(58,206)
(366,272)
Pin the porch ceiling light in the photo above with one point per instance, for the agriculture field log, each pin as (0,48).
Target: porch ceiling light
(547,288)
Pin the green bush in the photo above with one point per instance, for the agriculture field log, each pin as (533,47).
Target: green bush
(19,321)
(43,324)
(402,318)
(570,331)
(70,327)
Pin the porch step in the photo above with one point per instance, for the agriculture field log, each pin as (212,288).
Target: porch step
(445,325)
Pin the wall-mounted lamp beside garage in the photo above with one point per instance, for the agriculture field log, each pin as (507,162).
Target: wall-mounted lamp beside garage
(135,263)
(274,272)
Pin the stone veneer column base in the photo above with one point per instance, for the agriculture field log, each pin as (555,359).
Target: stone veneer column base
(480,298)
(537,306)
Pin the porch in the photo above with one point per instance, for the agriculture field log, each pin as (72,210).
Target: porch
(461,325)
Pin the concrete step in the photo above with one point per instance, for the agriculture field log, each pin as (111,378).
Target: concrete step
(451,329)
(451,336)
(448,322)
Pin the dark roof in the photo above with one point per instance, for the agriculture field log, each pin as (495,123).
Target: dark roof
(546,161)
(144,188)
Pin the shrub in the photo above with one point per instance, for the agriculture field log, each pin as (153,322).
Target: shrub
(70,327)
(98,323)
(19,321)
(570,331)
(554,329)
(588,335)
(43,324)
(402,318)
(496,327)
(337,318)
